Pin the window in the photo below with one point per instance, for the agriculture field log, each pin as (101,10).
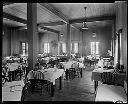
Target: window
(24,48)
(75,47)
(97,47)
(46,48)
(63,47)
(94,47)
(71,47)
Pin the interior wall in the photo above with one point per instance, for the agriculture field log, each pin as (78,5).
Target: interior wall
(6,47)
(121,23)
(76,36)
(103,35)
(18,36)
(11,40)
(48,37)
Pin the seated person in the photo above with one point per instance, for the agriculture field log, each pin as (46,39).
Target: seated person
(108,53)
(111,60)
(100,63)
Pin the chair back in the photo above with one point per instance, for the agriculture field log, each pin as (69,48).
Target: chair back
(108,78)
(73,65)
(38,75)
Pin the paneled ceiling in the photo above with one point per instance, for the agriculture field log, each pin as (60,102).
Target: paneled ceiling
(54,12)
(77,10)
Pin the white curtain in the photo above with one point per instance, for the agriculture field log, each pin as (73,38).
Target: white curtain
(116,51)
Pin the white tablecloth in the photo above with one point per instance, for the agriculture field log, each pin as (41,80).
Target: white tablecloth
(68,64)
(96,73)
(51,74)
(119,77)
(14,66)
(110,93)
(12,93)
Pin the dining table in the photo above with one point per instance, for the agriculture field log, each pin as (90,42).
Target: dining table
(12,91)
(110,93)
(96,76)
(51,74)
(12,67)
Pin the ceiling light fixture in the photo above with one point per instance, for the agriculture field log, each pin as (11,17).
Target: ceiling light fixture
(94,35)
(85,27)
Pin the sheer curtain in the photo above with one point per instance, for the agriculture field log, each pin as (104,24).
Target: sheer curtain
(116,51)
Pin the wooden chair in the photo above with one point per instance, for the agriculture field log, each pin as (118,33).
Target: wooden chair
(108,78)
(25,90)
(19,73)
(38,82)
(5,77)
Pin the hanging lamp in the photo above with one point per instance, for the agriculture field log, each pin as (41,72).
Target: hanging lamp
(85,27)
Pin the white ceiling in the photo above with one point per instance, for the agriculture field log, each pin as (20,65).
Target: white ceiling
(76,10)
(71,10)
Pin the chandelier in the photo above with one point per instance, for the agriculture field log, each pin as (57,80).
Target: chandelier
(85,27)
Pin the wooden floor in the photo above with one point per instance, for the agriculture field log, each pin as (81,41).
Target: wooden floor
(78,89)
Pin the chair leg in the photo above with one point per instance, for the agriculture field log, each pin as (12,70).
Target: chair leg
(81,72)
(66,74)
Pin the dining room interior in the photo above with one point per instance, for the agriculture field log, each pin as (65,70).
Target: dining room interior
(64,52)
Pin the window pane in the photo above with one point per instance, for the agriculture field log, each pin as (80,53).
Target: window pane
(63,47)
(92,47)
(71,46)
(23,48)
(97,47)
(46,48)
(76,47)
(26,48)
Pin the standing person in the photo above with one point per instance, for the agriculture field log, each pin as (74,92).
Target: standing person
(108,53)
(100,62)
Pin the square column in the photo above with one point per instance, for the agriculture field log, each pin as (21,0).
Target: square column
(32,34)
(68,40)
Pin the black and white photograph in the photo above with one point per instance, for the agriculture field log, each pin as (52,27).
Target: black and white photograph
(69,52)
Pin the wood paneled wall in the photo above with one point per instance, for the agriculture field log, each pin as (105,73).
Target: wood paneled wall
(6,42)
(103,35)
(48,38)
(121,23)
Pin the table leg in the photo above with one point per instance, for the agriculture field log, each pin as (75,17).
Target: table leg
(81,72)
(52,89)
(13,75)
(95,84)
(60,80)
(66,74)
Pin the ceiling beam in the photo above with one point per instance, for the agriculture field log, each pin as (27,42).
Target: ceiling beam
(57,12)
(51,23)
(92,19)
(41,27)
(49,29)
(14,18)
